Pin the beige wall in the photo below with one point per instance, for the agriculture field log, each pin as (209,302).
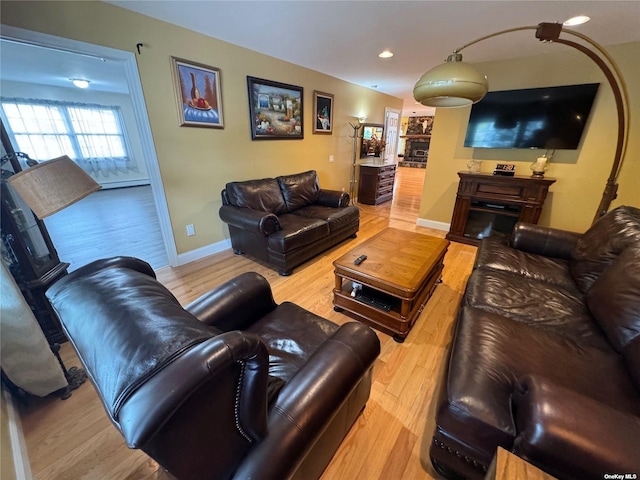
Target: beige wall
(581,174)
(195,163)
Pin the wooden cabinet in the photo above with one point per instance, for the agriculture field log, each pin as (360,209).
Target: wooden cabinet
(490,205)
(376,183)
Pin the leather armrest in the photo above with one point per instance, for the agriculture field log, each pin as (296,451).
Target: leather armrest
(550,242)
(571,435)
(152,405)
(263,223)
(235,304)
(310,400)
(333,198)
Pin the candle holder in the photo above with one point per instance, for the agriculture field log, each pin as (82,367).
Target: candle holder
(539,167)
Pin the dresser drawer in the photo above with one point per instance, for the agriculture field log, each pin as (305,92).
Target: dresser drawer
(385,182)
(384,191)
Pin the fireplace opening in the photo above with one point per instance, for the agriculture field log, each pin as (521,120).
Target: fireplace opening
(417,150)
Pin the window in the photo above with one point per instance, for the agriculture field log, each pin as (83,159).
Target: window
(92,135)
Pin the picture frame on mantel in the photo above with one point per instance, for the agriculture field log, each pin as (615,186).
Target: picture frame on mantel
(275,109)
(322,113)
(198,94)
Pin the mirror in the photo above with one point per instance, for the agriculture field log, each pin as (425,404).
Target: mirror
(372,140)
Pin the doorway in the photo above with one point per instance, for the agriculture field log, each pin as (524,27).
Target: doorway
(82,52)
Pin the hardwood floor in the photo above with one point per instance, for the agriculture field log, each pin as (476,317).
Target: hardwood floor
(73,439)
(117,221)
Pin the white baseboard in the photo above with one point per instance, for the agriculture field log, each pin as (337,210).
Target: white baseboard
(124,184)
(423,222)
(199,253)
(18,445)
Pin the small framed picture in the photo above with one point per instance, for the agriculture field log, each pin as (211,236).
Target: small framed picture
(275,109)
(322,112)
(198,94)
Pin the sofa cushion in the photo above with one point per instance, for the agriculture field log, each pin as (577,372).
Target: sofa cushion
(602,243)
(300,189)
(493,253)
(337,218)
(538,304)
(290,348)
(614,299)
(296,232)
(263,195)
(490,353)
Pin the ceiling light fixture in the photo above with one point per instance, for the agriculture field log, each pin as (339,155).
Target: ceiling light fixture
(80,83)
(456,83)
(385,54)
(579,20)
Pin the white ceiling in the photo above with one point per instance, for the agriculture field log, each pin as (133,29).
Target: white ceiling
(343,38)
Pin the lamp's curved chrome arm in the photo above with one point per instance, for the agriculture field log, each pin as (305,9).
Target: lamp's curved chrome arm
(496,34)
(616,81)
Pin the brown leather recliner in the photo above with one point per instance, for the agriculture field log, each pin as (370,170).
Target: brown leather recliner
(287,220)
(232,386)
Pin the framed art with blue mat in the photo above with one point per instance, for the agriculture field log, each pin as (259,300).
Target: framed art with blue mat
(198,94)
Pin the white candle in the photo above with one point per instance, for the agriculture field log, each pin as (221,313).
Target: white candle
(541,163)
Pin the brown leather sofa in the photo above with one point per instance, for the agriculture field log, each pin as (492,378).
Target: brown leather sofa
(287,220)
(545,357)
(232,386)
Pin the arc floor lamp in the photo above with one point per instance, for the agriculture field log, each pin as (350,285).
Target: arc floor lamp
(456,83)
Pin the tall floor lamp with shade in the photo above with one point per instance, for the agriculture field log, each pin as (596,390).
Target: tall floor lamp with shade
(354,159)
(44,188)
(456,83)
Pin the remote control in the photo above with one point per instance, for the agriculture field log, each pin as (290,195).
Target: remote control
(360,259)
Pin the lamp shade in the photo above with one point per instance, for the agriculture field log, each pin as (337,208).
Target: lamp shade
(53,185)
(452,84)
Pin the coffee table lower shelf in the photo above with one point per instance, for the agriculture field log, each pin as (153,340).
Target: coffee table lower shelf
(390,314)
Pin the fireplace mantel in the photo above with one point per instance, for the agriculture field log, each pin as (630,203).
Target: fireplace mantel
(415,136)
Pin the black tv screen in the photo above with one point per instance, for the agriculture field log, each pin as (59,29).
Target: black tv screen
(549,118)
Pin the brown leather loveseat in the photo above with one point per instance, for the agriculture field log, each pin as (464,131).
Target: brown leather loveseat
(232,386)
(287,220)
(545,357)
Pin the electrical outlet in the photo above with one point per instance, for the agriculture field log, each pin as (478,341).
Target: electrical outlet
(330,158)
(191,230)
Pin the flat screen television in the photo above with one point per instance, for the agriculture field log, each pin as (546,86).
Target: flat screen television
(548,118)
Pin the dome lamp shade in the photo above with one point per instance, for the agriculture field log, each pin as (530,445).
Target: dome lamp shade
(452,84)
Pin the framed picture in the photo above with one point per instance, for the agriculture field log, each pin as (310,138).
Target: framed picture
(275,110)
(198,94)
(322,112)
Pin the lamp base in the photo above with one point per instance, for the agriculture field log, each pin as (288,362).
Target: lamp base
(537,175)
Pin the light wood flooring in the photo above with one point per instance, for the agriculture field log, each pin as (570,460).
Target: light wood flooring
(107,223)
(73,439)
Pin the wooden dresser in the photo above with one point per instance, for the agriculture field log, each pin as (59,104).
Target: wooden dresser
(376,183)
(490,205)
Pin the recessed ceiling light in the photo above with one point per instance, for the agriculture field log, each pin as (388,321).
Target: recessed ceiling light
(80,83)
(579,20)
(385,54)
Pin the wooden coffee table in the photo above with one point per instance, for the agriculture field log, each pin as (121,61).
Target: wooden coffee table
(399,275)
